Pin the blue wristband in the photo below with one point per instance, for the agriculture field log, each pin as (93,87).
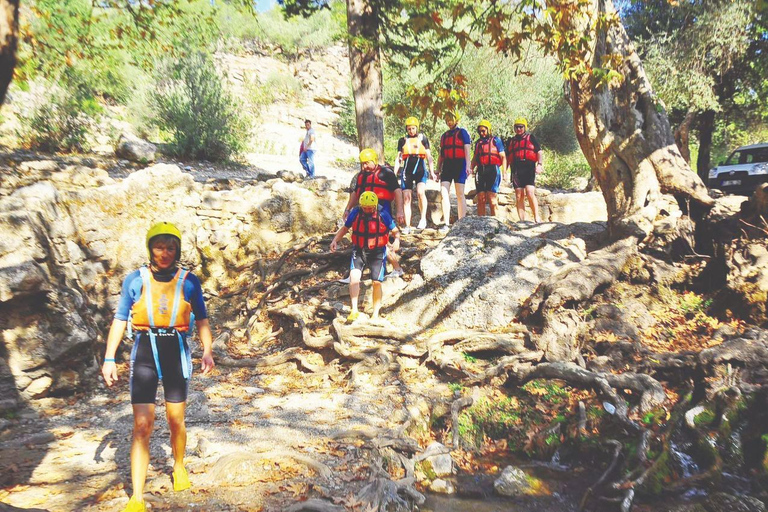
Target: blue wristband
(109,360)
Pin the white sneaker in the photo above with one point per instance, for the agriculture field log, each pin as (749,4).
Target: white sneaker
(396,273)
(407,230)
(422,224)
(344,280)
(444,228)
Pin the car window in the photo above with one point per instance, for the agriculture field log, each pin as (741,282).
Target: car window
(749,156)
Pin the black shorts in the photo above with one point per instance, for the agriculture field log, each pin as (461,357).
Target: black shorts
(414,171)
(374,259)
(487,178)
(454,170)
(144,376)
(524,178)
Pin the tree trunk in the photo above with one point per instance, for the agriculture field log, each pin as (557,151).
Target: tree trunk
(682,136)
(706,127)
(9,29)
(365,66)
(625,134)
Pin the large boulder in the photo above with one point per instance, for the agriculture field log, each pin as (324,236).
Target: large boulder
(479,275)
(135,149)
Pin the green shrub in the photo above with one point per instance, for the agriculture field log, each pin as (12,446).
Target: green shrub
(59,123)
(346,124)
(196,109)
(561,171)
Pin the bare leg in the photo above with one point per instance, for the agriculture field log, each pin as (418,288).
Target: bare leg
(481,203)
(174,412)
(530,191)
(445,199)
(492,202)
(421,194)
(143,422)
(376,299)
(393,258)
(520,202)
(354,286)
(407,206)
(461,200)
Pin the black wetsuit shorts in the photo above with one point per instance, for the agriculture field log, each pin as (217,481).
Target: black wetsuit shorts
(144,376)
(372,258)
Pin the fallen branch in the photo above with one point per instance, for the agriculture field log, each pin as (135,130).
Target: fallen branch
(293,353)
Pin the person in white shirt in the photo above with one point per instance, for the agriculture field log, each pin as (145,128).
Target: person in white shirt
(307,151)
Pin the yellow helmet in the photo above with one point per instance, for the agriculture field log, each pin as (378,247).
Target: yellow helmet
(411,121)
(163,228)
(523,121)
(368,155)
(485,123)
(368,199)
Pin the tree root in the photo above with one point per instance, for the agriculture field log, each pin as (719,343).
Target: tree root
(381,438)
(361,340)
(456,408)
(296,313)
(293,353)
(570,287)
(384,495)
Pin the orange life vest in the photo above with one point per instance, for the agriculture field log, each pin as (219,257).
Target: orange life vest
(451,144)
(372,181)
(162,305)
(369,230)
(486,152)
(414,147)
(522,149)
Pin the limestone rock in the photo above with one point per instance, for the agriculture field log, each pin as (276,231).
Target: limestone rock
(437,463)
(481,272)
(759,201)
(512,482)
(442,486)
(135,149)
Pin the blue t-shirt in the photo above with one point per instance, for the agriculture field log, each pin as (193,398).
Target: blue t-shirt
(386,218)
(132,285)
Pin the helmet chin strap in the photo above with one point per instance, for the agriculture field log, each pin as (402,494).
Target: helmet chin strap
(170,270)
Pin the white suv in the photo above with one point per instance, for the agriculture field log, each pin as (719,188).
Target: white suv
(744,170)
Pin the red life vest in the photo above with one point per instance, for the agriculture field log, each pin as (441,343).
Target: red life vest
(452,145)
(369,231)
(414,147)
(522,149)
(372,181)
(486,152)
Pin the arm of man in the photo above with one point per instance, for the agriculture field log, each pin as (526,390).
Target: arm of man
(109,369)
(439,166)
(431,164)
(467,158)
(539,155)
(206,338)
(343,230)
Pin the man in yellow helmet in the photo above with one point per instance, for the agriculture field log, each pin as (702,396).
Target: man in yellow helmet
(382,181)
(371,227)
(453,163)
(414,153)
(161,300)
(488,160)
(525,162)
